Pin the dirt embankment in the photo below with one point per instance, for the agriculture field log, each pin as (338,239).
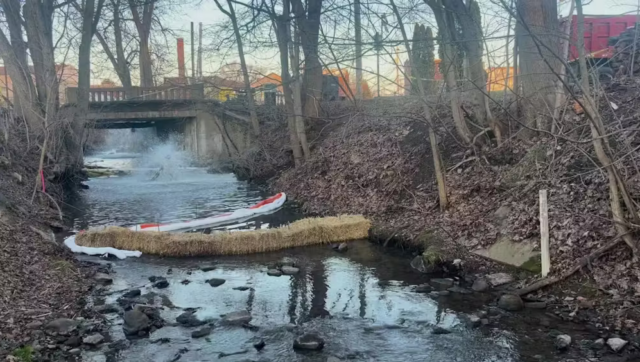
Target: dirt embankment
(39,279)
(375,160)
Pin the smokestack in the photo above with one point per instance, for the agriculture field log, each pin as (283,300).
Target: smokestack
(181,69)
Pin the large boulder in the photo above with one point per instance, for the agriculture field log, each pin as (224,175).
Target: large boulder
(616,344)
(135,321)
(432,259)
(309,342)
(62,326)
(510,302)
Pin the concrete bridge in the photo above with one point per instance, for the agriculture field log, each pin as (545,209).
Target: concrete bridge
(209,129)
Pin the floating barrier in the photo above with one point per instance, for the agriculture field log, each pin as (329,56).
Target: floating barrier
(303,232)
(264,207)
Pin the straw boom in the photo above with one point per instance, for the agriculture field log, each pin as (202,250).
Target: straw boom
(303,232)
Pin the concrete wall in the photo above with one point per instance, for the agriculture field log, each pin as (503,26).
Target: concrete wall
(214,138)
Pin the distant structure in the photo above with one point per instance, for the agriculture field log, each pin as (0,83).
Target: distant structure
(67,75)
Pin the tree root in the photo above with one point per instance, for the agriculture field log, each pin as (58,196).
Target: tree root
(582,263)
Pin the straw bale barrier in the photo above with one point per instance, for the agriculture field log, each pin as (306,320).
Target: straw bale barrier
(303,232)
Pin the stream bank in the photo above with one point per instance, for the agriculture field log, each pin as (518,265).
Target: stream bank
(375,160)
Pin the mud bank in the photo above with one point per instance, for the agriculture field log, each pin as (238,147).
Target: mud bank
(41,281)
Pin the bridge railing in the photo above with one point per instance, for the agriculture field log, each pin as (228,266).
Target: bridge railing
(121,94)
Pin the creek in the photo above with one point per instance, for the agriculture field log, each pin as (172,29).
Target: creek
(361,302)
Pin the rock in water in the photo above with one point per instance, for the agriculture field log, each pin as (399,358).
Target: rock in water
(103,279)
(289,270)
(309,342)
(511,302)
(598,343)
(242,288)
(161,284)
(132,293)
(480,285)
(207,268)
(135,321)
(274,272)
(93,339)
(62,326)
(440,330)
(563,342)
(189,319)
(202,332)
(259,345)
(215,282)
(237,318)
(343,247)
(424,288)
(441,284)
(287,262)
(616,344)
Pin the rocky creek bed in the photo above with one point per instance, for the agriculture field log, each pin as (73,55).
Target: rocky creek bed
(360,303)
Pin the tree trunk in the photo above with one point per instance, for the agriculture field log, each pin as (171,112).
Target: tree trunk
(90,18)
(538,45)
(282,25)
(309,29)
(23,89)
(146,69)
(255,126)
(38,25)
(143,25)
(297,95)
(11,9)
(564,46)
(435,151)
(358,31)
(449,68)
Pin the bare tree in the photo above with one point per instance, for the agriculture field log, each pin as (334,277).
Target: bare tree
(435,151)
(282,26)
(90,17)
(143,25)
(119,61)
(308,25)
(231,14)
(538,48)
(446,32)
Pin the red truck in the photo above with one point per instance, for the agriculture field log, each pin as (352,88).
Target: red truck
(599,37)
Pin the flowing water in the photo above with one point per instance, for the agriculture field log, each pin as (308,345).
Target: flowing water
(361,302)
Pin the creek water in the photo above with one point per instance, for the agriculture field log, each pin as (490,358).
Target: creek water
(361,302)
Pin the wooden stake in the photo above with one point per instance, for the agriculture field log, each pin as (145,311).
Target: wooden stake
(544,233)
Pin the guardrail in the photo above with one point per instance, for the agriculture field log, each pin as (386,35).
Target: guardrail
(121,94)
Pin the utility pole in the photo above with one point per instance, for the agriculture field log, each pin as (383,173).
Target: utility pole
(193,53)
(356,12)
(200,50)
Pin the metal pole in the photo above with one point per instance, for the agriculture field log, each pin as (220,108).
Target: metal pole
(378,71)
(200,51)
(193,53)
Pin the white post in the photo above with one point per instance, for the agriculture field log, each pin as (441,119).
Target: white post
(544,233)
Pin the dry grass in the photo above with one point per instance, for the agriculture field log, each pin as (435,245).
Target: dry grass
(304,232)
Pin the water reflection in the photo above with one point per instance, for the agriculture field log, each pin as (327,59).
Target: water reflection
(342,297)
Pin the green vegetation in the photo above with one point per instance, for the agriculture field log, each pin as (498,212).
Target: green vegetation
(24,354)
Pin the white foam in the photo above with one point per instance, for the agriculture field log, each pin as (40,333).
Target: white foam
(70,242)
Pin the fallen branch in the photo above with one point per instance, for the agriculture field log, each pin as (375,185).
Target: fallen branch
(54,203)
(582,263)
